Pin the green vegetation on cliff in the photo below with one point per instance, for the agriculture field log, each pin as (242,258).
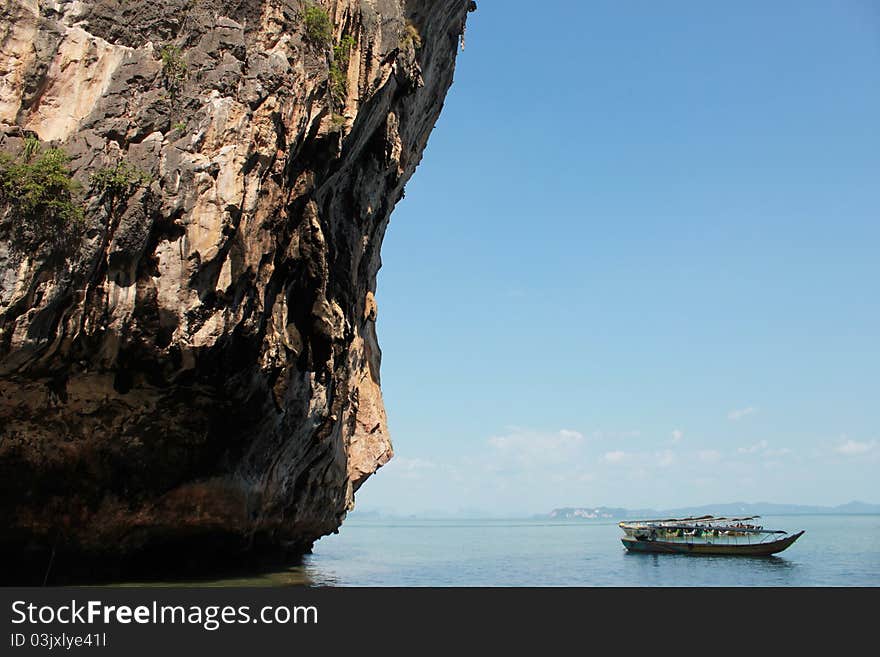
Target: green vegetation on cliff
(40,197)
(411,37)
(317,24)
(119,182)
(174,69)
(339,70)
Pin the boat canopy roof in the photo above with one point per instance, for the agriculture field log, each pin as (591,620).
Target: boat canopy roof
(706,520)
(701,522)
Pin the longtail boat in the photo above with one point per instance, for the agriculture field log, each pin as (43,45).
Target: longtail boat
(705,535)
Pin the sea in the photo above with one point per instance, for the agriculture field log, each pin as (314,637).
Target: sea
(836,550)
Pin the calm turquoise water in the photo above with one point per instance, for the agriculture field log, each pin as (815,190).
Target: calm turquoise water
(835,551)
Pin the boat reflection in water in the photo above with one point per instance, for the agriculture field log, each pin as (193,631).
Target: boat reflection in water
(705,535)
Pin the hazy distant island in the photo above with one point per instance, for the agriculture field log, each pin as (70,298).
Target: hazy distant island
(730,509)
(619,513)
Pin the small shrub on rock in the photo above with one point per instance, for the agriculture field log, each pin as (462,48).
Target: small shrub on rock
(411,37)
(119,182)
(39,199)
(317,25)
(174,69)
(339,70)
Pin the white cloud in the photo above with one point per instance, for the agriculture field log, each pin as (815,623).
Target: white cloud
(740,413)
(615,435)
(709,456)
(616,456)
(665,458)
(855,448)
(754,449)
(526,449)
(405,463)
(534,441)
(762,448)
(409,468)
(677,435)
(638,474)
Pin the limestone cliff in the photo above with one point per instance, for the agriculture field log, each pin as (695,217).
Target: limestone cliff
(198,366)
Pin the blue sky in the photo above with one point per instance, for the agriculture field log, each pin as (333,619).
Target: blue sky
(638,265)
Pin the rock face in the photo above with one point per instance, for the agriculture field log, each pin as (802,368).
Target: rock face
(202,368)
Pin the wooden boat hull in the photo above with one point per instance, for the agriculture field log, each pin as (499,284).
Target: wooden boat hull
(749,550)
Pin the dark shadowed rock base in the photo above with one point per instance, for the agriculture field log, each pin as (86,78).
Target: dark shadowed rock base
(180,559)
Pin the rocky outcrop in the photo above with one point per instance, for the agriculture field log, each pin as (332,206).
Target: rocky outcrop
(201,367)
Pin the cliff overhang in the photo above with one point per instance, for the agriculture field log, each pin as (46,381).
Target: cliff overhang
(199,370)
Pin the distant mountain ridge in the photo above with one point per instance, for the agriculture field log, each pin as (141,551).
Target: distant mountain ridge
(587,513)
(729,509)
